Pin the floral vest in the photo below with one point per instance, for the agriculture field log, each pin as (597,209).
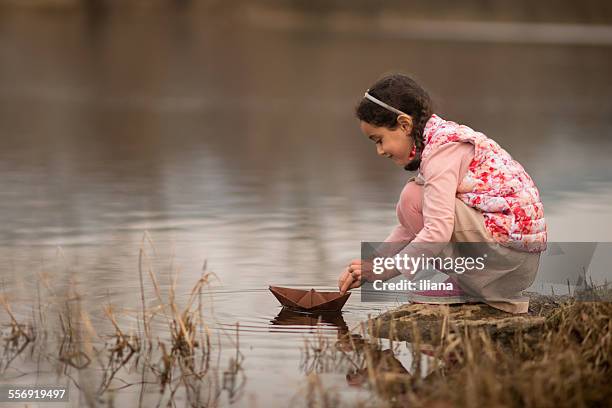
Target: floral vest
(496,185)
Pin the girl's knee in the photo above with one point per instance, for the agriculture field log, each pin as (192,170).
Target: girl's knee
(411,198)
(410,209)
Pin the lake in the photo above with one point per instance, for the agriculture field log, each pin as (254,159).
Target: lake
(236,145)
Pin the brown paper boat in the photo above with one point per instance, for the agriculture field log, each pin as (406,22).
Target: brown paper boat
(310,300)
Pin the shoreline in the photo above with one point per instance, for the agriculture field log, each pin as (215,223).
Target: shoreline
(399,323)
(557,354)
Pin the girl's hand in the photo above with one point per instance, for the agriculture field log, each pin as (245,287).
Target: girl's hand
(351,276)
(359,271)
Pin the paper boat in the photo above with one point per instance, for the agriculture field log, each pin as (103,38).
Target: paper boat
(310,300)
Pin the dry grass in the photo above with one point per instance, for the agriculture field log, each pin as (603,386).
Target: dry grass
(568,363)
(179,360)
(171,353)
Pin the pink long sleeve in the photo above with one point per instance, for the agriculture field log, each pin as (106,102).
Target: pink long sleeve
(442,172)
(400,234)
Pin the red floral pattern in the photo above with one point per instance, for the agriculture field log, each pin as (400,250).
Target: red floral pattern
(495,184)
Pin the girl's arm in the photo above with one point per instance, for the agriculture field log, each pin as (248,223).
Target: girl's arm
(442,171)
(400,234)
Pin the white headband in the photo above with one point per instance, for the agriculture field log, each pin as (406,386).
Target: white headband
(381,103)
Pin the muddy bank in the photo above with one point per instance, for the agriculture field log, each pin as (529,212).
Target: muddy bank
(429,322)
(557,355)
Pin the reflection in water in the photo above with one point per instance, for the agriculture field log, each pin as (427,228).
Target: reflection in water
(388,367)
(288,317)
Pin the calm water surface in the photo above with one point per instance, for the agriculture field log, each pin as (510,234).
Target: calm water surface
(238,146)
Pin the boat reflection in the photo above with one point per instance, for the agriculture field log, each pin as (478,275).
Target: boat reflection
(288,317)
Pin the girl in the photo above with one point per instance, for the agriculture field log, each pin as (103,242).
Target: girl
(468,189)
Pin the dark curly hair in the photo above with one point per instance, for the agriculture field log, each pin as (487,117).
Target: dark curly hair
(403,93)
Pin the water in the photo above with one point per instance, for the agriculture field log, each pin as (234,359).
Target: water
(237,145)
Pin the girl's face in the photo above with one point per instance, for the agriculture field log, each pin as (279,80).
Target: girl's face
(395,144)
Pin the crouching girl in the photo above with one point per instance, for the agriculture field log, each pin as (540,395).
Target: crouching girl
(467,189)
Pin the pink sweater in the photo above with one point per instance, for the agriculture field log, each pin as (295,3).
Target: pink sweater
(442,172)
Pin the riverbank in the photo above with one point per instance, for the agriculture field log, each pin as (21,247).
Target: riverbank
(556,355)
(400,323)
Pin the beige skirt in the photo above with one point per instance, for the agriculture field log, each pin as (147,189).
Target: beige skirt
(508,271)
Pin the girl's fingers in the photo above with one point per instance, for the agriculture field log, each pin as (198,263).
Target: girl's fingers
(343,277)
(362,269)
(356,274)
(351,279)
(359,263)
(347,284)
(355,284)
(356,263)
